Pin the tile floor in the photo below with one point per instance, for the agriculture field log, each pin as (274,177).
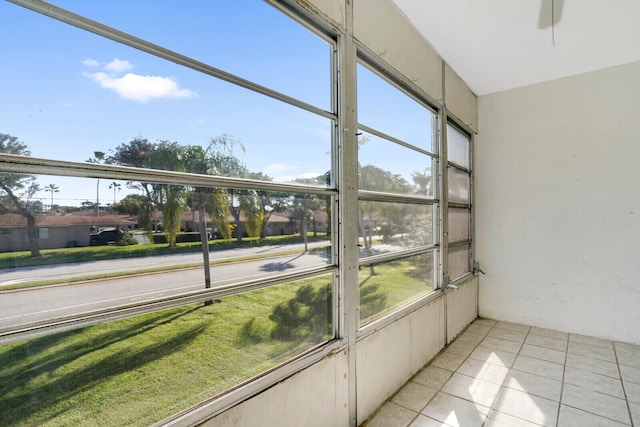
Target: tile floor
(510,375)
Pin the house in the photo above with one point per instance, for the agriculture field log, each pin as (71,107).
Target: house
(57,231)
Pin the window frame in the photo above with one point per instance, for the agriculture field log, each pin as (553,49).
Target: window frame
(456,125)
(367,59)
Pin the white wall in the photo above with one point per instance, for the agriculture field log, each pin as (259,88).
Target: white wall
(386,359)
(558,204)
(317,396)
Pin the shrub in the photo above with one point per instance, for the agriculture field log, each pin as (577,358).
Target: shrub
(127,240)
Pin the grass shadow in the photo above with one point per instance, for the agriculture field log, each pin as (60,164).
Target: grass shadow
(45,361)
(23,400)
(372,299)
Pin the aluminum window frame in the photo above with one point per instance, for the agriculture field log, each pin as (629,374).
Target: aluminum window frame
(470,242)
(41,166)
(368,60)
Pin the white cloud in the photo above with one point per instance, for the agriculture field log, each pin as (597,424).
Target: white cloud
(133,86)
(90,62)
(118,66)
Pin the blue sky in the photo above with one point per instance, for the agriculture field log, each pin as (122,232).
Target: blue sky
(67,93)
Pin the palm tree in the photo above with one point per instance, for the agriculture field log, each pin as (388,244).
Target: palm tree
(98,158)
(115,186)
(52,188)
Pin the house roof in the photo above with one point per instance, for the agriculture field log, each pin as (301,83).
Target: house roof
(15,220)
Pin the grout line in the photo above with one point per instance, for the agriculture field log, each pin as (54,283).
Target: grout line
(564,371)
(624,391)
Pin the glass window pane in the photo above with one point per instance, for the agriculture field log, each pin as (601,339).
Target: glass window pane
(458,224)
(458,147)
(131,234)
(83,105)
(383,107)
(389,227)
(458,261)
(388,167)
(151,366)
(248,38)
(388,285)
(459,185)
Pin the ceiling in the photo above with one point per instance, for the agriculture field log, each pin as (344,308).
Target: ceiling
(495,45)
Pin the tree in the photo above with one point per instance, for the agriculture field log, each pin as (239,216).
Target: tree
(115,186)
(170,197)
(253,213)
(11,184)
(303,206)
(86,206)
(135,153)
(52,188)
(98,158)
(33,206)
(130,204)
(422,182)
(223,161)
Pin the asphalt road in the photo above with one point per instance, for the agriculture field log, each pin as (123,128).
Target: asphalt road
(79,269)
(35,304)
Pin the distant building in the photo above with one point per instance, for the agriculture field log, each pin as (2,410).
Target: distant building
(58,231)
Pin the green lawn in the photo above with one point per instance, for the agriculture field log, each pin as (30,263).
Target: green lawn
(139,370)
(97,253)
(142,369)
(393,284)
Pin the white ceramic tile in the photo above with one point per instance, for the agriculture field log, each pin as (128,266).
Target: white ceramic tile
(478,329)
(448,361)
(513,326)
(497,357)
(484,371)
(547,342)
(484,322)
(414,396)
(507,334)
(590,364)
(473,389)
(539,367)
(423,421)
(391,415)
(572,417)
(455,411)
(543,353)
(632,391)
(595,403)
(630,374)
(500,419)
(599,342)
(592,351)
(432,376)
(628,359)
(549,333)
(460,348)
(628,348)
(595,382)
(534,409)
(470,338)
(500,344)
(635,413)
(534,384)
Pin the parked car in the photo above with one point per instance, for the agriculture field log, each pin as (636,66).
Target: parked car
(106,237)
